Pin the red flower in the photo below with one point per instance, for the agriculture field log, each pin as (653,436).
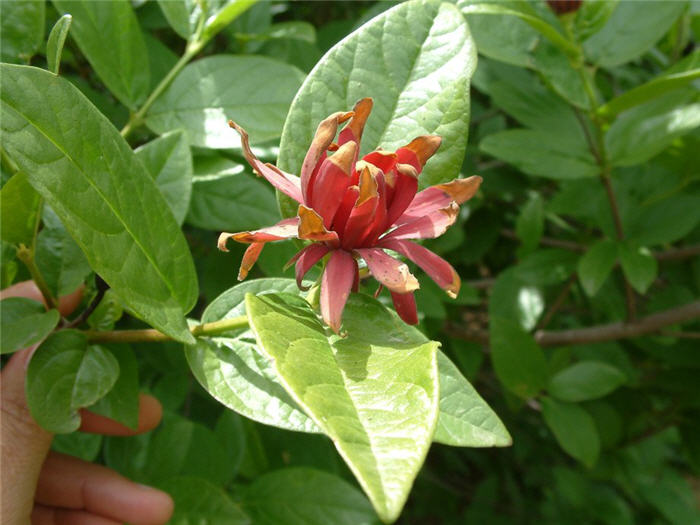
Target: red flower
(353,209)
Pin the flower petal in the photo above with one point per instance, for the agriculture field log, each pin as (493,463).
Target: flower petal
(345,208)
(440,196)
(336,283)
(363,212)
(305,259)
(285,229)
(390,272)
(418,151)
(311,227)
(249,257)
(352,132)
(405,187)
(428,226)
(331,182)
(405,305)
(435,266)
(286,183)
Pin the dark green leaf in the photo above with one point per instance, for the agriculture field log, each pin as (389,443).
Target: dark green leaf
(664,221)
(574,429)
(200,502)
(304,496)
(84,446)
(24,323)
(517,359)
(107,313)
(21,29)
(595,266)
(639,265)
(382,374)
(465,419)
(143,256)
(19,211)
(54,46)
(530,223)
(169,161)
(232,435)
(109,36)
(418,79)
(584,381)
(209,92)
(64,375)
(122,402)
(515,299)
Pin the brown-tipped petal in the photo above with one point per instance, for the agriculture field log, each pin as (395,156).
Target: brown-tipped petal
(428,226)
(384,160)
(311,227)
(353,130)
(391,272)
(440,196)
(249,258)
(363,212)
(404,192)
(405,305)
(345,208)
(333,179)
(305,260)
(435,266)
(336,284)
(285,229)
(286,183)
(419,150)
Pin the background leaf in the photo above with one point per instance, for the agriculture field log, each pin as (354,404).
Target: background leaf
(200,502)
(584,381)
(122,402)
(574,429)
(639,265)
(19,214)
(21,29)
(595,266)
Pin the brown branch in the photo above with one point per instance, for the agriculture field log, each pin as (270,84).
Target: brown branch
(678,253)
(548,241)
(561,297)
(481,284)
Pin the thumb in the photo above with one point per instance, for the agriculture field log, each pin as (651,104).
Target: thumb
(23,444)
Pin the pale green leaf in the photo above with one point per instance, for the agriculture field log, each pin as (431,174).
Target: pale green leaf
(200,502)
(54,45)
(68,149)
(24,322)
(596,264)
(573,428)
(585,380)
(19,210)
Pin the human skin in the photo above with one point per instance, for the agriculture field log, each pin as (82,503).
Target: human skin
(43,487)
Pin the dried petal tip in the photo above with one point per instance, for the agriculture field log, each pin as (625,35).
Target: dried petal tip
(311,226)
(361,111)
(461,190)
(424,147)
(223,238)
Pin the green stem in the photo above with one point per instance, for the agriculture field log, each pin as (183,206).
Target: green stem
(26,255)
(151,335)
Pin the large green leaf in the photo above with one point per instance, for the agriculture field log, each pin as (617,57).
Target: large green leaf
(200,502)
(211,91)
(465,419)
(105,198)
(304,496)
(64,375)
(573,428)
(233,370)
(415,61)
(24,322)
(585,380)
(373,392)
(169,161)
(21,29)
(109,36)
(19,210)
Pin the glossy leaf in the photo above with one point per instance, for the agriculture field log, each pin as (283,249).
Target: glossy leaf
(19,210)
(66,374)
(122,402)
(169,161)
(381,376)
(24,322)
(304,496)
(417,59)
(198,501)
(142,256)
(54,45)
(235,372)
(516,299)
(595,266)
(209,92)
(585,380)
(21,29)
(517,359)
(639,265)
(109,36)
(465,419)
(573,428)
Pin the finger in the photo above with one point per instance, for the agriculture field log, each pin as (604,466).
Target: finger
(23,443)
(150,413)
(53,516)
(66,304)
(71,483)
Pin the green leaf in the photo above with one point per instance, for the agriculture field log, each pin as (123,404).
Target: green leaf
(226,12)
(19,211)
(664,221)
(574,430)
(560,75)
(225,198)
(585,380)
(54,45)
(109,36)
(537,152)
(107,313)
(23,323)
(382,375)
(646,130)
(592,16)
(418,78)
(199,502)
(514,298)
(231,432)
(465,419)
(639,265)
(630,31)
(233,370)
(182,15)
(66,374)
(122,402)
(169,161)
(21,29)
(143,256)
(304,496)
(596,264)
(210,91)
(530,223)
(84,446)
(517,359)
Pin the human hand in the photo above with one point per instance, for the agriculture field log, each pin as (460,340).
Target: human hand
(48,488)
